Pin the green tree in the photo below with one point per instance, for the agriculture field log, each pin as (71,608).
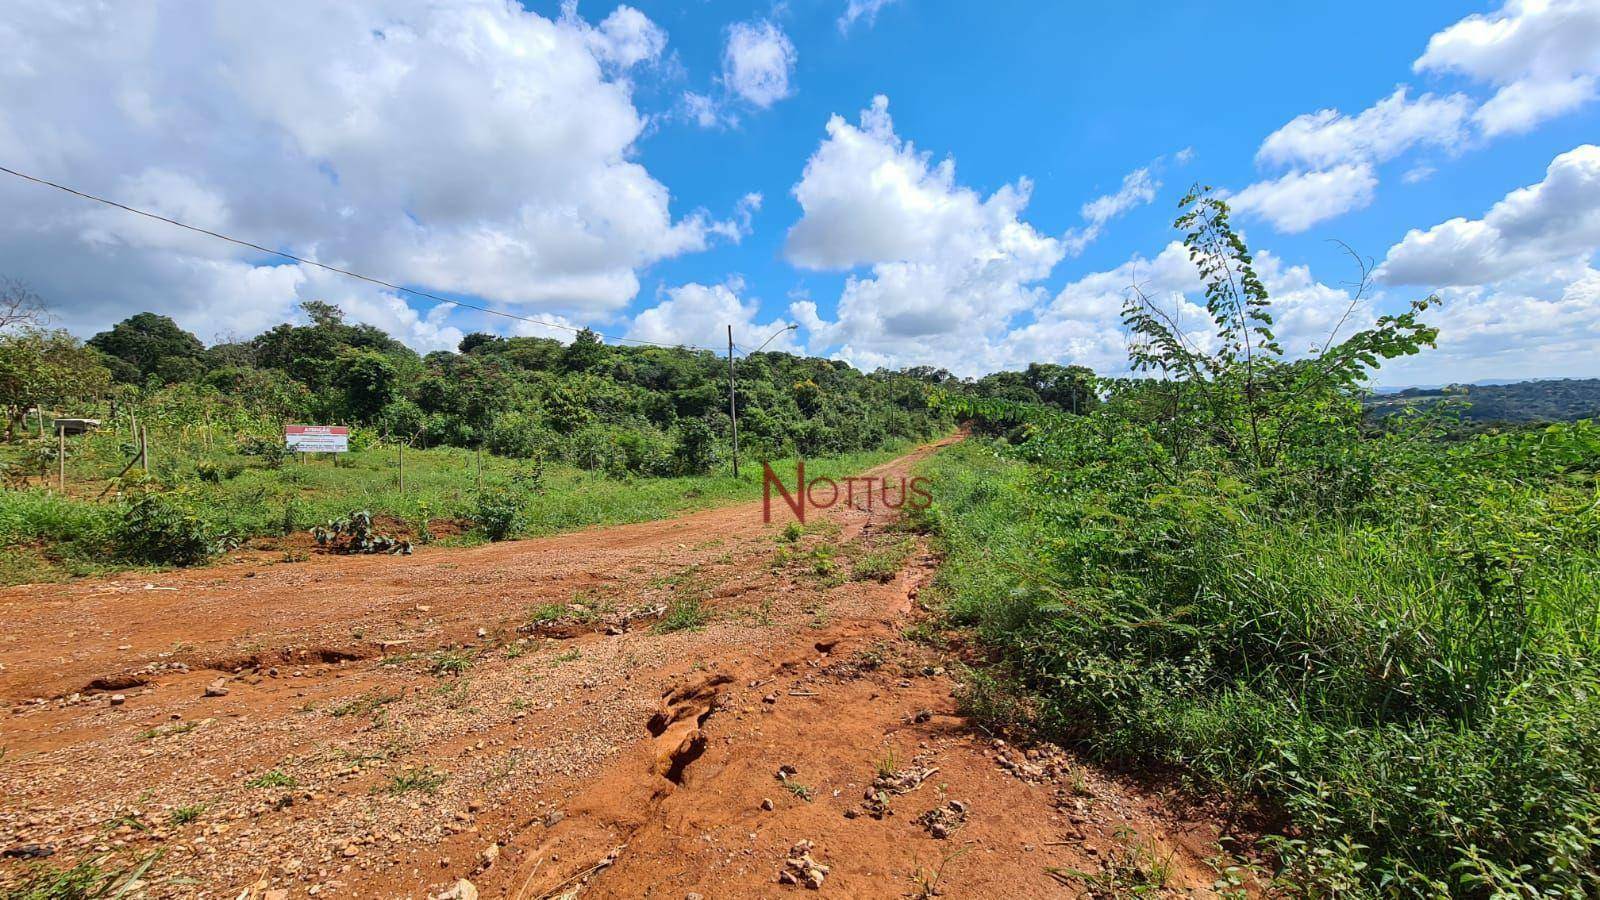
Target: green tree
(692,452)
(153,345)
(46,368)
(1071,388)
(367,381)
(584,353)
(477,341)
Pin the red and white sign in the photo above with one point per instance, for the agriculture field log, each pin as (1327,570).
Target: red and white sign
(317,438)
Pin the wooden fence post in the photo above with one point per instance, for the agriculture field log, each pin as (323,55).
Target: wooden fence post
(402,469)
(61,459)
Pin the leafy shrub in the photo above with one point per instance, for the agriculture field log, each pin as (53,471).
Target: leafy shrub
(1386,639)
(499,515)
(270,450)
(590,447)
(213,472)
(693,450)
(641,451)
(288,518)
(155,530)
(422,525)
(519,436)
(354,533)
(530,478)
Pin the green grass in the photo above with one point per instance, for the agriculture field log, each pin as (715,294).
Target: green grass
(184,815)
(366,704)
(272,779)
(583,610)
(883,563)
(88,880)
(1409,680)
(425,781)
(169,730)
(47,537)
(685,614)
(451,663)
(888,764)
(1133,868)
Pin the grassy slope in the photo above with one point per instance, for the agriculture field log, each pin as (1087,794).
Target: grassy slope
(1417,725)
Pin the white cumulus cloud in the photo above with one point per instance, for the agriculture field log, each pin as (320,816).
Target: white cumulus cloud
(699,315)
(1550,224)
(1543,56)
(1299,200)
(1138,188)
(1334,156)
(1328,138)
(758,63)
(1521,294)
(470,147)
(625,38)
(948,266)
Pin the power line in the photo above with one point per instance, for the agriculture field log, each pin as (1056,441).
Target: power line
(346,272)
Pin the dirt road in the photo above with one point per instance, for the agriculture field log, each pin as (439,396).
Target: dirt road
(525,717)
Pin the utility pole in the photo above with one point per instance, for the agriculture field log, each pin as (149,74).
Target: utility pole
(733,410)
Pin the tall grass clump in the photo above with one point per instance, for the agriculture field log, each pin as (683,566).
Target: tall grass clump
(1383,641)
(37,515)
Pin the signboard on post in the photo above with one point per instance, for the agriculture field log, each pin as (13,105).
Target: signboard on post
(317,438)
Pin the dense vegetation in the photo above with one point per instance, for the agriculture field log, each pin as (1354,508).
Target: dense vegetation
(1554,400)
(1377,645)
(620,409)
(563,434)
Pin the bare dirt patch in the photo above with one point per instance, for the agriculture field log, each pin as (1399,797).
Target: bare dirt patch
(387,727)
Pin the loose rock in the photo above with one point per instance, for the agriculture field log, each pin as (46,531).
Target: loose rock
(942,820)
(800,868)
(461,890)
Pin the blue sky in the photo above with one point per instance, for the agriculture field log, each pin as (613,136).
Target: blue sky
(596,166)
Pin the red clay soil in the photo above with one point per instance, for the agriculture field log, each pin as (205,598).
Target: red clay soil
(517,720)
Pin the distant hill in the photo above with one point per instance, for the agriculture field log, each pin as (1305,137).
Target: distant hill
(1552,400)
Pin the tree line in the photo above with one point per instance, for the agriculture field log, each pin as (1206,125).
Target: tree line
(623,409)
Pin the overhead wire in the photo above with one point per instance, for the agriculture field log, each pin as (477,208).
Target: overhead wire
(336,269)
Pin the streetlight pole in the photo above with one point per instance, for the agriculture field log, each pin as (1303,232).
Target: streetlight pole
(733,409)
